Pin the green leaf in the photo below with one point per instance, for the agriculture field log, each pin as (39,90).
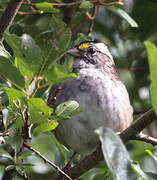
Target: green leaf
(46,7)
(86,5)
(36,116)
(5,154)
(24,154)
(31,52)
(10,72)
(15,139)
(57,44)
(20,61)
(44,127)
(152,57)
(4,52)
(15,94)
(15,43)
(27,52)
(136,167)
(39,104)
(115,153)
(125,16)
(66,108)
(10,167)
(57,74)
(150,153)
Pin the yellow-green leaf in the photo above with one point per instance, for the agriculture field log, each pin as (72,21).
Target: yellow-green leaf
(152,59)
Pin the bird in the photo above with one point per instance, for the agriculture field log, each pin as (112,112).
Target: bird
(102,97)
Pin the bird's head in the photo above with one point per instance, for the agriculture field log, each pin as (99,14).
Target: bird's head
(91,54)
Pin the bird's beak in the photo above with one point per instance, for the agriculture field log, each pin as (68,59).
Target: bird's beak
(74,52)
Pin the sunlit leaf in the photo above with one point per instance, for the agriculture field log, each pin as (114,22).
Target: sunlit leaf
(14,94)
(46,7)
(44,127)
(36,116)
(115,153)
(66,108)
(150,153)
(152,57)
(40,105)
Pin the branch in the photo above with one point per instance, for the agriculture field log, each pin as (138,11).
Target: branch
(9,15)
(146,138)
(46,160)
(77,3)
(131,133)
(93,15)
(143,121)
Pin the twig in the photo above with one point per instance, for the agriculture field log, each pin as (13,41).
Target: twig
(4,134)
(146,138)
(94,11)
(9,15)
(138,125)
(46,160)
(77,3)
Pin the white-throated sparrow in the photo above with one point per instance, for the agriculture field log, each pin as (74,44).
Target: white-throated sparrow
(100,93)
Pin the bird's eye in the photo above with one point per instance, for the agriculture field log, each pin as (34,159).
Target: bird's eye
(92,51)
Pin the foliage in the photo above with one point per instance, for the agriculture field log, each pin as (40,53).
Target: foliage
(33,57)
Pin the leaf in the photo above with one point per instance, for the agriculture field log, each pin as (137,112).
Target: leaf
(150,153)
(15,43)
(39,104)
(86,5)
(5,154)
(136,167)
(27,52)
(20,62)
(152,59)
(60,39)
(36,116)
(57,74)
(46,7)
(4,52)
(15,139)
(14,94)
(125,16)
(10,167)
(10,72)
(66,108)
(32,52)
(44,127)
(24,154)
(115,153)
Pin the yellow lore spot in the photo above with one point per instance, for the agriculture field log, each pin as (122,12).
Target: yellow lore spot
(84,46)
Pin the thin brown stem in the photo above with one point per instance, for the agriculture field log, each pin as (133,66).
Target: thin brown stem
(47,160)
(77,3)
(94,11)
(146,138)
